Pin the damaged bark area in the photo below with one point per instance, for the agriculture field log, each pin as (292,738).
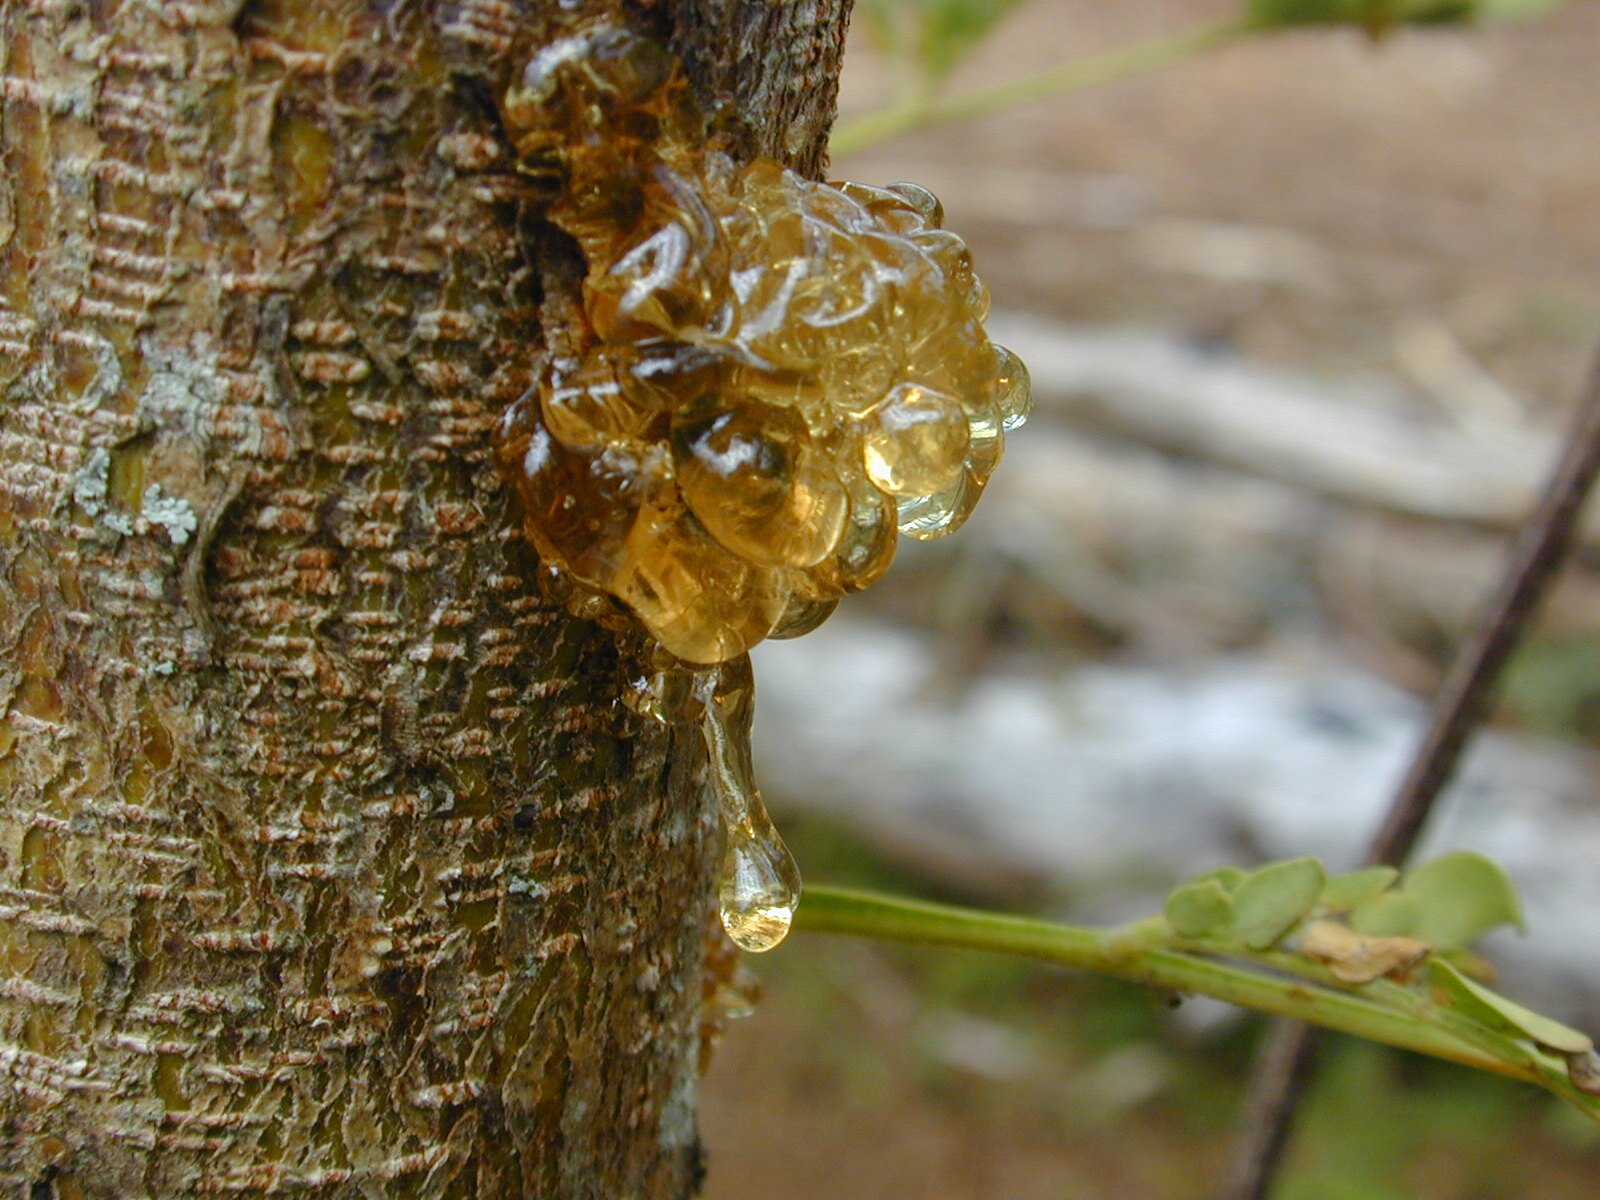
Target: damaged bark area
(328,862)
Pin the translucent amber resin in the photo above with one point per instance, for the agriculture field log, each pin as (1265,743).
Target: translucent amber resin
(779,374)
(777,377)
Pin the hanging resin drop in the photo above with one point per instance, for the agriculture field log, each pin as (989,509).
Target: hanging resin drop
(760,884)
(759,887)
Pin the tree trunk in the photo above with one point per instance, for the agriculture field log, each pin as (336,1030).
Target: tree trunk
(328,862)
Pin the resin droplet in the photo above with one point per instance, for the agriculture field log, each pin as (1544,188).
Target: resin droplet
(702,603)
(760,885)
(662,689)
(760,888)
(917,442)
(1016,390)
(921,199)
(802,616)
(750,475)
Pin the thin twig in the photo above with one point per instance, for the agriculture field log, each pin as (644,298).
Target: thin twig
(920,110)
(1288,1055)
(1468,690)
(1284,1065)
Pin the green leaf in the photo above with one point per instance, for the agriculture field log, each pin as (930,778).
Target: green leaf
(1269,900)
(1393,914)
(1495,1011)
(1354,888)
(1228,877)
(1199,908)
(1518,10)
(1460,896)
(938,33)
(1375,15)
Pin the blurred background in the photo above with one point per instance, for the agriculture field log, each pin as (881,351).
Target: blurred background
(1306,314)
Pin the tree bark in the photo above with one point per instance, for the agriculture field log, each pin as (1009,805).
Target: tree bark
(328,862)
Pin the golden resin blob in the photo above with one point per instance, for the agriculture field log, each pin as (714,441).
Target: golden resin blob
(779,377)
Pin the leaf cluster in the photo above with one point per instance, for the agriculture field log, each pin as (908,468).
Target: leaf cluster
(1446,904)
(1374,924)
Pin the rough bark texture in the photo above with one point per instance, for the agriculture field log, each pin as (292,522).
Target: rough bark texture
(771,68)
(328,864)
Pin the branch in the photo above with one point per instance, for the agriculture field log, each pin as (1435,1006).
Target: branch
(920,110)
(1270,982)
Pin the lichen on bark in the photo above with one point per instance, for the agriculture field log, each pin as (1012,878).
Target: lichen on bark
(328,863)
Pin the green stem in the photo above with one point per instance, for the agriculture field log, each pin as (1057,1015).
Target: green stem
(1378,1017)
(918,111)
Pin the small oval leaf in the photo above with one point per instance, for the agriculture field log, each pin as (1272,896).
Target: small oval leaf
(1228,877)
(1393,914)
(1354,888)
(1269,900)
(1461,896)
(1497,1012)
(1199,908)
